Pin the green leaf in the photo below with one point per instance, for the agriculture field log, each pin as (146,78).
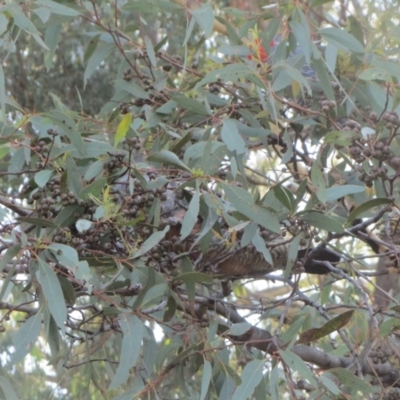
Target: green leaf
(321,221)
(150,51)
(303,37)
(342,39)
(228,387)
(68,257)
(38,221)
(168,158)
(57,8)
(204,16)
(94,189)
(122,128)
(187,268)
(205,379)
(336,192)
(154,295)
(68,290)
(52,293)
(190,218)
(330,385)
(294,362)
(389,326)
(2,94)
(167,107)
(232,72)
(42,177)
(170,310)
(73,175)
(24,23)
(372,74)
(251,377)
(323,76)
(102,51)
(7,389)
(318,180)
(91,47)
(52,333)
(26,337)
(8,279)
(243,202)
(289,335)
(292,254)
(190,104)
(331,326)
(197,277)
(132,330)
(238,329)
(132,88)
(150,242)
(364,207)
(351,381)
(231,137)
(356,28)
(51,39)
(274,382)
(285,196)
(10,253)
(152,6)
(341,138)
(66,216)
(4,21)
(94,170)
(390,67)
(259,244)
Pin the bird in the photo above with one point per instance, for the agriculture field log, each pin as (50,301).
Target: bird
(225,254)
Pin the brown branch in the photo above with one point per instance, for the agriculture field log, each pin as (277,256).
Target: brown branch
(263,340)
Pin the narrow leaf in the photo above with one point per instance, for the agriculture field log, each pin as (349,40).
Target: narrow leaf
(122,128)
(318,180)
(364,207)
(26,337)
(205,18)
(244,203)
(2,94)
(342,39)
(231,137)
(197,277)
(296,363)
(102,51)
(251,377)
(322,221)
(52,292)
(351,380)
(149,243)
(42,177)
(9,255)
(150,51)
(331,326)
(190,104)
(190,218)
(336,192)
(132,330)
(238,329)
(205,380)
(168,158)
(7,389)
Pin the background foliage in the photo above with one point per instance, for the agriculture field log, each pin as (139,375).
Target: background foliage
(185,217)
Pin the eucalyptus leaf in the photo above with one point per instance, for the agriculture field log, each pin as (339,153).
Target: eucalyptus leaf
(132,331)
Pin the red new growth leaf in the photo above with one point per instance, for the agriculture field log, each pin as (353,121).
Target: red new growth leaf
(260,53)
